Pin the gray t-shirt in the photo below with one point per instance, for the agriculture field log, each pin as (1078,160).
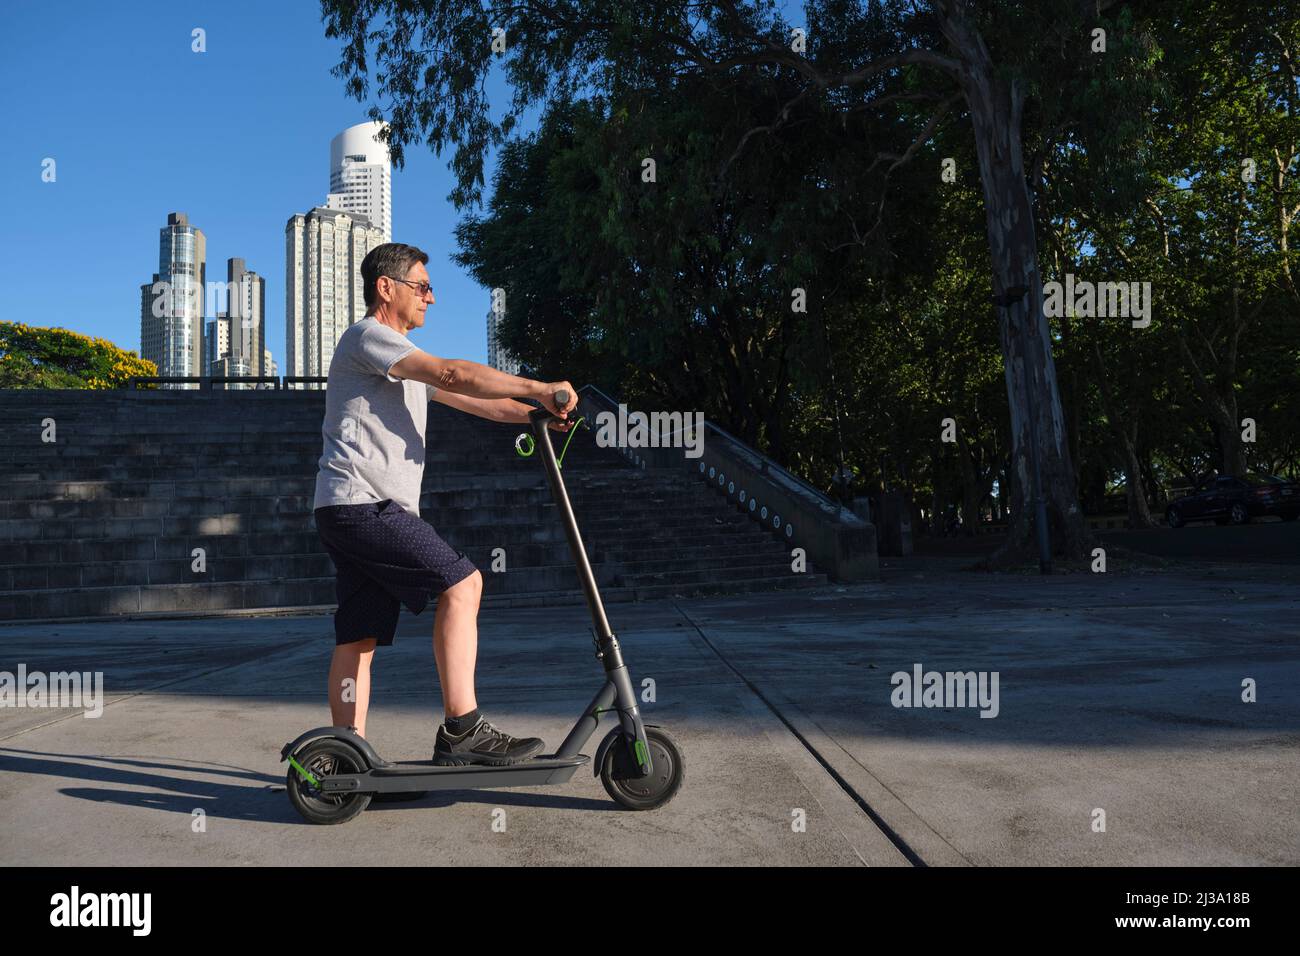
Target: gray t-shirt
(374,422)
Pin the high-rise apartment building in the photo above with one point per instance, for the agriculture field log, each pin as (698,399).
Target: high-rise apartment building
(171,306)
(498,356)
(236,340)
(246,314)
(218,345)
(152,327)
(323,290)
(361,176)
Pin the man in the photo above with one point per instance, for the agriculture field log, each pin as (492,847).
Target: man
(367,504)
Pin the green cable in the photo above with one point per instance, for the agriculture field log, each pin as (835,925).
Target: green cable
(527,439)
(560,461)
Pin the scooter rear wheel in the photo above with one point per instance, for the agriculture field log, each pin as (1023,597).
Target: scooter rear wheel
(619,772)
(320,757)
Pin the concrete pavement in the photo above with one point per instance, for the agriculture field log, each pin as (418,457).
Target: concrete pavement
(1119,693)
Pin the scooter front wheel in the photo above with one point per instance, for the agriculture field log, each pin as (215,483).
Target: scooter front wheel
(620,774)
(319,758)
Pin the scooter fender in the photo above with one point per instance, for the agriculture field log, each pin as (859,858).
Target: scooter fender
(367,752)
(615,735)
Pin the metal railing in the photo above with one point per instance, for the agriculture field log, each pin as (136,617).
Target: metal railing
(205,382)
(833,536)
(765,465)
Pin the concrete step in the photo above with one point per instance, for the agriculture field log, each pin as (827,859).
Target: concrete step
(548,570)
(318,594)
(144,548)
(612,482)
(104,521)
(488,504)
(449,524)
(172,471)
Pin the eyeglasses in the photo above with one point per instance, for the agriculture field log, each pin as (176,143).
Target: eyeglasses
(420,287)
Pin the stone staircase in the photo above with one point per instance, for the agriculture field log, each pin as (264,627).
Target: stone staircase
(104,522)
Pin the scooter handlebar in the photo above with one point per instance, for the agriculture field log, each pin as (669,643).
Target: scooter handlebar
(561,399)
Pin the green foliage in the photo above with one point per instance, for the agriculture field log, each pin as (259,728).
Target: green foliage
(677,293)
(32,357)
(1221,346)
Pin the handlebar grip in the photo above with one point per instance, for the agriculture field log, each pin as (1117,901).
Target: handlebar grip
(561,398)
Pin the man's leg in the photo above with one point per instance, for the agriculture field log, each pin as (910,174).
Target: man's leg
(351,661)
(455,643)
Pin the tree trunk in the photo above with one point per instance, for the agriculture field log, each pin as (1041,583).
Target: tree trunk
(1153,487)
(996,106)
(1139,515)
(936,506)
(1228,429)
(974,486)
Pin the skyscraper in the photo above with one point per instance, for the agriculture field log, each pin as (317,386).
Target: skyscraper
(237,336)
(171,306)
(218,346)
(361,176)
(152,327)
(246,312)
(323,290)
(498,356)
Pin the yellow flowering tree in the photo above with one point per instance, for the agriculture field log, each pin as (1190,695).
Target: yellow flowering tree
(33,357)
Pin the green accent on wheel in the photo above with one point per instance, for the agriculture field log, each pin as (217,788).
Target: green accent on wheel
(640,753)
(306,776)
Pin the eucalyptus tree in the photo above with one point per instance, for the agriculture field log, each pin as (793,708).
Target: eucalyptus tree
(1015,70)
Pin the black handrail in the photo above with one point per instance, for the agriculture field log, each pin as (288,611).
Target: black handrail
(767,464)
(205,382)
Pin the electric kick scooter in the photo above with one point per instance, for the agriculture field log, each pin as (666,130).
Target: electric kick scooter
(333,773)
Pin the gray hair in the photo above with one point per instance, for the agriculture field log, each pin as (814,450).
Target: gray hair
(392,259)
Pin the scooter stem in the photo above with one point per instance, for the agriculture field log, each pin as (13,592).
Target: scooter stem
(610,654)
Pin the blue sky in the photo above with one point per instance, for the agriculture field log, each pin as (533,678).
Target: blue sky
(236,137)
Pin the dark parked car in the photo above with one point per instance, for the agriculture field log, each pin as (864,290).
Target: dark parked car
(1237,499)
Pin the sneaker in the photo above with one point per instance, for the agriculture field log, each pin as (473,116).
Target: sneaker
(483,744)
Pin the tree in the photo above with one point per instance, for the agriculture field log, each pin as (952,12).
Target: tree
(1223,225)
(34,357)
(1012,64)
(1207,223)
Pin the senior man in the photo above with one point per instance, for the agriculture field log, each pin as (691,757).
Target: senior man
(367,504)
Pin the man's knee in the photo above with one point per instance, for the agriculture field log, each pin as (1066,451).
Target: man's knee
(466,591)
(359,648)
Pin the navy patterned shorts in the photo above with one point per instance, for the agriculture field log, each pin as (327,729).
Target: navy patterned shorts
(385,557)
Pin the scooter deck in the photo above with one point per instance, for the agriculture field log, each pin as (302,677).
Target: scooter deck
(406,775)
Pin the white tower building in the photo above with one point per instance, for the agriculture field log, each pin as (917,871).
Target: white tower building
(361,176)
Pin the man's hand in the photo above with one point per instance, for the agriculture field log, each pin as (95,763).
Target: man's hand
(547,398)
(549,401)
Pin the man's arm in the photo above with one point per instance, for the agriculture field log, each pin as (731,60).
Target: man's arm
(464,377)
(470,380)
(493,409)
